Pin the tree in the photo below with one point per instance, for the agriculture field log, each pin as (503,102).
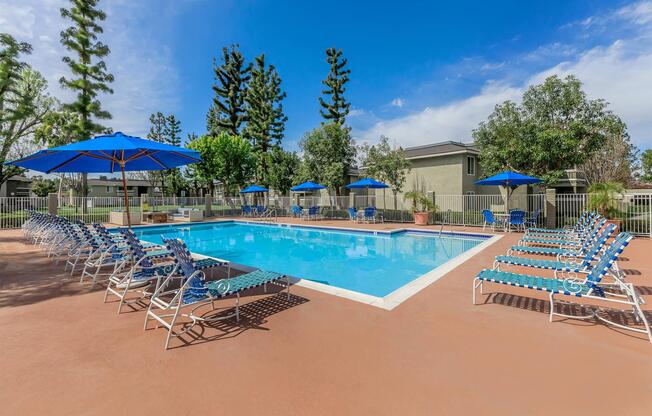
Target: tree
(24,103)
(615,160)
(265,118)
(387,164)
(166,129)
(328,155)
(555,128)
(283,169)
(43,187)
(89,74)
(225,158)
(603,198)
(646,166)
(227,112)
(335,108)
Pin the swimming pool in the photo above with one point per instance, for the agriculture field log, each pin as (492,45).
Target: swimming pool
(371,263)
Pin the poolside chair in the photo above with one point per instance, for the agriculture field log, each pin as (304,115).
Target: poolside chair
(370,214)
(591,287)
(260,210)
(560,252)
(313,213)
(109,254)
(566,265)
(564,240)
(166,304)
(138,274)
(353,214)
(516,220)
(246,211)
(489,219)
(297,211)
(532,220)
(581,221)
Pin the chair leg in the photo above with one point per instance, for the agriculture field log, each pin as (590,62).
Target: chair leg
(552,305)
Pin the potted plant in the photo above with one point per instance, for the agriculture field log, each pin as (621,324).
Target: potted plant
(422,206)
(603,198)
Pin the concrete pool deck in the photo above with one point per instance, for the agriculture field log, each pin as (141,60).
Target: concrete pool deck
(65,352)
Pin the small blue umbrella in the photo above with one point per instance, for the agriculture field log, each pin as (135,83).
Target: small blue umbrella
(253,188)
(109,153)
(366,183)
(510,180)
(307,187)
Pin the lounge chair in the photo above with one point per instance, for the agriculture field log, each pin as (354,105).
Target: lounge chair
(566,264)
(166,304)
(583,220)
(591,287)
(489,219)
(564,241)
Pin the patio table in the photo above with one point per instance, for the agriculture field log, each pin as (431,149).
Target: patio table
(504,216)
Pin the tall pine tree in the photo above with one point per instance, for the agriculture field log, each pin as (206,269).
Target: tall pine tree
(89,73)
(231,76)
(334,107)
(265,117)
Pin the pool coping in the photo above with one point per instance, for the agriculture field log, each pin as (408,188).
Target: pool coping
(387,302)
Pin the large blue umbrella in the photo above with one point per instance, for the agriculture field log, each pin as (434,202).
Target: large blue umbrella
(109,153)
(307,187)
(253,188)
(510,180)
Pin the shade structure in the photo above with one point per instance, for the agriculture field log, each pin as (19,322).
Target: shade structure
(366,183)
(510,180)
(109,153)
(253,188)
(307,187)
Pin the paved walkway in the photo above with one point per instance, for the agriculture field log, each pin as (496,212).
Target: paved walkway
(62,351)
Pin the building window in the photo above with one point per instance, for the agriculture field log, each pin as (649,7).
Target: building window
(470,193)
(108,189)
(470,165)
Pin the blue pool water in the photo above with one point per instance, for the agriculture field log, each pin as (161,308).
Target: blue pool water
(363,262)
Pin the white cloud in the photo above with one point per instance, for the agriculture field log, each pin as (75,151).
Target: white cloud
(398,102)
(618,72)
(145,79)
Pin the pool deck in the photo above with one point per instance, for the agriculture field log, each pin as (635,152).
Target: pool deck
(65,352)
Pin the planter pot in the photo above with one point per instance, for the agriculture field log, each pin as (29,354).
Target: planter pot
(617,222)
(421,218)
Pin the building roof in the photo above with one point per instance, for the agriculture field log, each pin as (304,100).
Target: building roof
(19,178)
(117,182)
(440,149)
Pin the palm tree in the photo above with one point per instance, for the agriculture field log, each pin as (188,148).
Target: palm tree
(603,198)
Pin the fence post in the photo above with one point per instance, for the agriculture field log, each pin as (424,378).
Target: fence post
(207,207)
(53,203)
(550,208)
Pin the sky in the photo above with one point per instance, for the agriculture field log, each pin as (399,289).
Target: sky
(421,72)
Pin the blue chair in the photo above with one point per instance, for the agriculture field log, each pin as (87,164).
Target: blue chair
(297,211)
(353,214)
(246,211)
(489,219)
(517,219)
(370,214)
(532,221)
(313,213)
(260,210)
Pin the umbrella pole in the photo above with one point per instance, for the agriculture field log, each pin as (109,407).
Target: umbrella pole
(124,191)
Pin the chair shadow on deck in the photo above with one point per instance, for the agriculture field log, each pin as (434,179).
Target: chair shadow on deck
(253,315)
(621,317)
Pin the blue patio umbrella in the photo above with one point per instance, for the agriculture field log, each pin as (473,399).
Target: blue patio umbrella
(109,153)
(253,188)
(307,187)
(510,180)
(367,183)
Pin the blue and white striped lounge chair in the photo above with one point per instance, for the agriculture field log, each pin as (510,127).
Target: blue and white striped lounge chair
(583,220)
(567,265)
(583,230)
(565,253)
(591,287)
(166,305)
(561,241)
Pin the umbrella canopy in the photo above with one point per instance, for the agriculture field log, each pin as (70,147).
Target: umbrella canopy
(509,178)
(307,187)
(109,153)
(253,188)
(366,183)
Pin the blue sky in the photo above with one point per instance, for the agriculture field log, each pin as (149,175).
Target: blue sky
(421,71)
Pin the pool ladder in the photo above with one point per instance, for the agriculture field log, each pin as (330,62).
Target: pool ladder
(443,222)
